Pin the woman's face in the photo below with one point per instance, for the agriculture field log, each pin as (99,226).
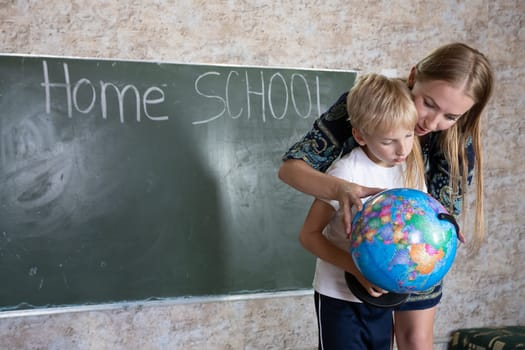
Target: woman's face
(439,105)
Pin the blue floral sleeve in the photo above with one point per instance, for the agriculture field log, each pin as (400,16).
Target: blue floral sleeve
(330,136)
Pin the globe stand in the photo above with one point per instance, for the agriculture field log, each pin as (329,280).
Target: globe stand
(387,300)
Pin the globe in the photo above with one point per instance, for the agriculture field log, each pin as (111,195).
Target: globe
(403,240)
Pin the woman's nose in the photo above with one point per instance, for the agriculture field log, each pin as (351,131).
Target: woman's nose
(431,122)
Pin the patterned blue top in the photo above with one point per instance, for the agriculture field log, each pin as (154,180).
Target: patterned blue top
(331,137)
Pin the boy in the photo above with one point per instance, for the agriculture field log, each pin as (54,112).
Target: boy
(383,117)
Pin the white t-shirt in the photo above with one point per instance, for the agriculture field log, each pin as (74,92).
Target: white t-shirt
(354,167)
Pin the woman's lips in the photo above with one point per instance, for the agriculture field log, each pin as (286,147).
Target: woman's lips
(420,131)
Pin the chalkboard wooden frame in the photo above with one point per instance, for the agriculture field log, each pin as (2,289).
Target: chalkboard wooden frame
(135,180)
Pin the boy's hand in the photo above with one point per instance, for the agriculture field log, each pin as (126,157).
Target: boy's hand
(461,237)
(369,287)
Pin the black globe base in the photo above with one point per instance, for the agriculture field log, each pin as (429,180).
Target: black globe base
(388,300)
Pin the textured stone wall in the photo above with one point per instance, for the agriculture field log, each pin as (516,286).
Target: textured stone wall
(481,290)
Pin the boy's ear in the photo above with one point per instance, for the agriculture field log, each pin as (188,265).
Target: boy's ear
(358,137)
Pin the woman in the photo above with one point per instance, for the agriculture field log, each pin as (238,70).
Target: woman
(450,88)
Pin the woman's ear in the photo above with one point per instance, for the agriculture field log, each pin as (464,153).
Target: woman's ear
(358,137)
(412,77)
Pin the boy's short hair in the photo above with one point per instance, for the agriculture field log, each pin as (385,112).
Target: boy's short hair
(378,103)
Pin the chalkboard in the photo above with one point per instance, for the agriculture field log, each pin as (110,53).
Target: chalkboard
(133,180)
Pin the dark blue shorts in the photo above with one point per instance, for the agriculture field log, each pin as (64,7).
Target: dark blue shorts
(346,325)
(422,301)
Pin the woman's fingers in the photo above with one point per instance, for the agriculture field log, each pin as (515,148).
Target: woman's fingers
(349,195)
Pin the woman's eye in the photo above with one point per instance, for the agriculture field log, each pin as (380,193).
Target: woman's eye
(428,104)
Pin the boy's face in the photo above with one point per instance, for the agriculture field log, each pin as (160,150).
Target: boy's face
(387,148)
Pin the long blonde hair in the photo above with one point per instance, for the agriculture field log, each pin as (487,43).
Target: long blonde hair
(462,66)
(377,103)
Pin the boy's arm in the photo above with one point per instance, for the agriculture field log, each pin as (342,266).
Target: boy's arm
(312,239)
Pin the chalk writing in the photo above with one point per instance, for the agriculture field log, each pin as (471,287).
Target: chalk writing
(297,86)
(84,97)
(152,96)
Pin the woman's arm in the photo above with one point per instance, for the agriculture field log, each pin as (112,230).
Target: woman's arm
(313,240)
(304,163)
(301,176)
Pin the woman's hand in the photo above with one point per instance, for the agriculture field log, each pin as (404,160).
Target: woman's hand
(301,176)
(349,194)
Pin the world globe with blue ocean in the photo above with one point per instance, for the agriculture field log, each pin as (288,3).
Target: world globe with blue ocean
(403,240)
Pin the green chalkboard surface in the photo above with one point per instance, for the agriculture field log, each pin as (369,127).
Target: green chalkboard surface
(129,180)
